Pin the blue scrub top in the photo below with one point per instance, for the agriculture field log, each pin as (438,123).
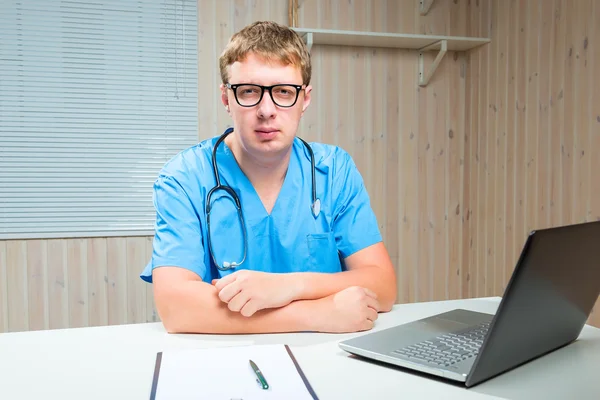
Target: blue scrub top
(290,239)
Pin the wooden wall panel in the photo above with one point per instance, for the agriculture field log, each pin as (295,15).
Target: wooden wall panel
(57,284)
(36,288)
(117,280)
(136,288)
(69,283)
(16,277)
(97,256)
(78,285)
(503,139)
(533,129)
(3,289)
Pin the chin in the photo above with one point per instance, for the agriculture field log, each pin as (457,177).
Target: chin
(274,144)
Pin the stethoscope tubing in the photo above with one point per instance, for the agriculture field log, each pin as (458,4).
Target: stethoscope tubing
(315,207)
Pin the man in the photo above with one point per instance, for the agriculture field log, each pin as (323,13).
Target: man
(297,256)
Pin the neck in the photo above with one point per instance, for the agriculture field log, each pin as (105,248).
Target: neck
(264,173)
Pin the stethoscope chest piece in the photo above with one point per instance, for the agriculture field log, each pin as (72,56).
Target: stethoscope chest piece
(316,208)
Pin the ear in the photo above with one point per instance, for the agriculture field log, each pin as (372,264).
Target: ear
(224,97)
(306,100)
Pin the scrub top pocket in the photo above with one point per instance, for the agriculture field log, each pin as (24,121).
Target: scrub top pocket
(322,253)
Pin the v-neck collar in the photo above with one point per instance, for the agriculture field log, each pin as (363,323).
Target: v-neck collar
(252,206)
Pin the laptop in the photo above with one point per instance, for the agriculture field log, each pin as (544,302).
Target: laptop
(547,301)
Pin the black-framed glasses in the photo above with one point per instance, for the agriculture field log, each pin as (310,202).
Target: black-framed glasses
(249,95)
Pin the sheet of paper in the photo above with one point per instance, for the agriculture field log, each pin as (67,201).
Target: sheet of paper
(224,373)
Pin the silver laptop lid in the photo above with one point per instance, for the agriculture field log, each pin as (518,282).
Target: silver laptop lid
(547,301)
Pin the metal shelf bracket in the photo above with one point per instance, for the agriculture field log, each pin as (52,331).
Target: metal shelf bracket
(424,6)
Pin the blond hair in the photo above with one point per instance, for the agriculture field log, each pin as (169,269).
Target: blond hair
(270,40)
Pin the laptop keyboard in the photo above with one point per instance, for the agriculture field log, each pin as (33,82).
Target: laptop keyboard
(448,349)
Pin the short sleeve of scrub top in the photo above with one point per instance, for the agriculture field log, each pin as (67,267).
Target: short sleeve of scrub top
(177,238)
(354,224)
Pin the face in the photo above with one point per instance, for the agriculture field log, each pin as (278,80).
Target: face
(265,130)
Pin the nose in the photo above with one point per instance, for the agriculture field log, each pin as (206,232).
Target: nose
(266,108)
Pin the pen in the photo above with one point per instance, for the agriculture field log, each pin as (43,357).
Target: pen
(260,378)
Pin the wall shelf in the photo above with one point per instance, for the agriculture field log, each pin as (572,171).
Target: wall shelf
(391,40)
(421,43)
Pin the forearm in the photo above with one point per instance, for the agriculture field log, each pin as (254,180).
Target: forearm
(194,307)
(311,285)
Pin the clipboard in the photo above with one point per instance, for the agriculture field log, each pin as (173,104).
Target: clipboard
(226,373)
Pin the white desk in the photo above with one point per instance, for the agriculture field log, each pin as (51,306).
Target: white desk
(117,362)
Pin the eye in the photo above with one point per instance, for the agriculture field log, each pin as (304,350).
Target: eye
(248,90)
(285,91)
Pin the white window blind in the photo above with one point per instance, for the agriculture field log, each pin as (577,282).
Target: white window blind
(95,96)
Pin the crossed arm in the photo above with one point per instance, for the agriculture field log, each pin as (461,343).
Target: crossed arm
(259,302)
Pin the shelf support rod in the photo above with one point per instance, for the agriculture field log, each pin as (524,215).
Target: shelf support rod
(424,6)
(424,77)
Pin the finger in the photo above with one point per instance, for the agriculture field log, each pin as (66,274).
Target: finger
(238,302)
(367,325)
(229,291)
(373,303)
(370,293)
(214,281)
(226,280)
(249,309)
(372,315)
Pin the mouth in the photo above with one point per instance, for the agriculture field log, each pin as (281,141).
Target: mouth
(266,133)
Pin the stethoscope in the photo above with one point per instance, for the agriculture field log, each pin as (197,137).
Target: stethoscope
(315,207)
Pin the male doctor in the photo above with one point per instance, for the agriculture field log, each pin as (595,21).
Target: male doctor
(298,255)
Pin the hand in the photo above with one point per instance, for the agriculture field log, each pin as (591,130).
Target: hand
(351,310)
(250,291)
